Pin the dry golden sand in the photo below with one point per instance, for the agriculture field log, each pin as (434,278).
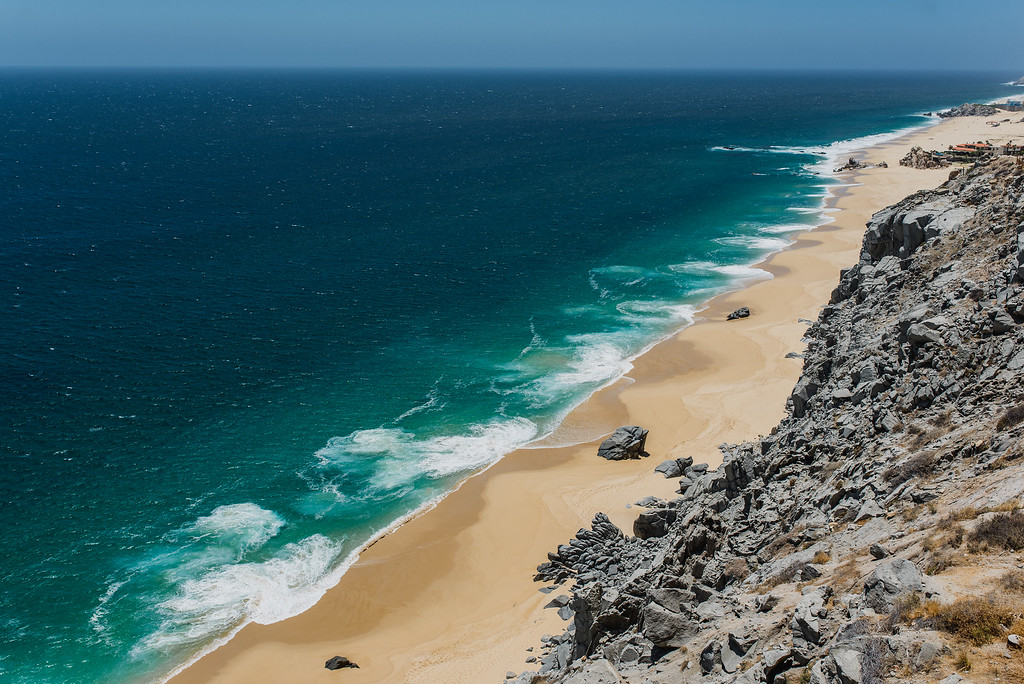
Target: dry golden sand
(448,597)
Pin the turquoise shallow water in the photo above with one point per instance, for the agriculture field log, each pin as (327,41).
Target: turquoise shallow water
(251,319)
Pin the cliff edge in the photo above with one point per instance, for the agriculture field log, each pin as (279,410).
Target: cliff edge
(873,535)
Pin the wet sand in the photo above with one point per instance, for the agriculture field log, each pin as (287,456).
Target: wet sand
(449,596)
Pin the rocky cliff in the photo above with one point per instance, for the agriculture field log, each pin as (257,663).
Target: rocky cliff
(870,536)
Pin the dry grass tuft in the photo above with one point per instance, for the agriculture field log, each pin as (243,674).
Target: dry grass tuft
(821,557)
(1012,417)
(943,560)
(1013,581)
(736,570)
(1001,531)
(918,465)
(977,620)
(962,662)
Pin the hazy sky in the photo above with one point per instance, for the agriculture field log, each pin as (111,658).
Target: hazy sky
(888,34)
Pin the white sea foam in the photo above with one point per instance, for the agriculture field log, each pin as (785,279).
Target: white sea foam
(694,267)
(656,309)
(97,621)
(832,153)
(243,526)
(783,228)
(433,403)
(605,279)
(220,600)
(732,148)
(744,273)
(402,456)
(773,244)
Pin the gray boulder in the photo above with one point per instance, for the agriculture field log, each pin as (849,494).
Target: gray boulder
(889,581)
(848,665)
(595,672)
(742,312)
(626,442)
(339,662)
(666,628)
(674,467)
(654,523)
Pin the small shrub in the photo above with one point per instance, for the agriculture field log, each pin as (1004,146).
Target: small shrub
(779,543)
(917,465)
(1012,417)
(1003,530)
(910,608)
(911,513)
(1013,581)
(942,561)
(925,437)
(962,662)
(978,620)
(876,661)
(786,575)
(735,570)
(821,557)
(959,515)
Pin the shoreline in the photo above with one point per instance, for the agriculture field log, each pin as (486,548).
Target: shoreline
(460,569)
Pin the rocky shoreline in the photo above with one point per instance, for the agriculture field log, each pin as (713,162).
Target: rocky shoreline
(835,548)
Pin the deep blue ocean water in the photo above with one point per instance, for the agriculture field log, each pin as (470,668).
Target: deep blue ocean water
(249,319)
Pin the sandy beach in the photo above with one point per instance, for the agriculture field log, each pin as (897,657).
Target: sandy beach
(449,596)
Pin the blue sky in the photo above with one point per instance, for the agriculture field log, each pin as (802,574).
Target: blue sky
(858,34)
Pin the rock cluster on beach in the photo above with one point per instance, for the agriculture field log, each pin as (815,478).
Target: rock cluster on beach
(919,158)
(969,109)
(815,553)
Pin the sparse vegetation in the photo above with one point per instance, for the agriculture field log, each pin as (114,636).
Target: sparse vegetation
(782,542)
(977,620)
(1013,581)
(962,662)
(788,574)
(1001,531)
(736,570)
(917,465)
(942,561)
(1011,418)
(821,557)
(911,609)
(876,661)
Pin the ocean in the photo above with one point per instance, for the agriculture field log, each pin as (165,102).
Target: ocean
(250,319)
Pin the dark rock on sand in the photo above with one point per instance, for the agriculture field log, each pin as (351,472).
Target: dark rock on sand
(742,312)
(625,442)
(339,662)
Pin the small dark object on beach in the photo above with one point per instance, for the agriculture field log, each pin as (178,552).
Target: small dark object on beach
(339,662)
(738,313)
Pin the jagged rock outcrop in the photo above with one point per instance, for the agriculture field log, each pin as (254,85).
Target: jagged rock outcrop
(909,376)
(970,109)
(918,158)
